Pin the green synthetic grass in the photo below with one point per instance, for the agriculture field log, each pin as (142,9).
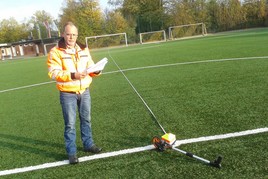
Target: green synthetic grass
(189,100)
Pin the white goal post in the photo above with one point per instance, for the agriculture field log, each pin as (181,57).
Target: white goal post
(153,37)
(189,30)
(99,41)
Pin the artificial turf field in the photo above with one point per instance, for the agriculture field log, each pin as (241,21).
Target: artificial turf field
(198,87)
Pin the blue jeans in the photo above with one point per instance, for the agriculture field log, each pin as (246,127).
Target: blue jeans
(69,103)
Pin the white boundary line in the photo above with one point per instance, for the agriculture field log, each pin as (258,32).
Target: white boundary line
(196,62)
(133,150)
(141,68)
(29,86)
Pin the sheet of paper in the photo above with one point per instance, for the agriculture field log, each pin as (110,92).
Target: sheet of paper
(99,66)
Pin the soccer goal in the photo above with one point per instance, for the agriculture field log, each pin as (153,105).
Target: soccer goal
(153,37)
(187,31)
(47,48)
(108,40)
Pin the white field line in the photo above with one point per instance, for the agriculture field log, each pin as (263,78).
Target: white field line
(133,150)
(194,62)
(28,86)
(147,67)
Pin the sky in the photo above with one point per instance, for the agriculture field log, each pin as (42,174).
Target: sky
(22,10)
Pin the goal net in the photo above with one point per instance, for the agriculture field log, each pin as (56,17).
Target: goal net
(108,40)
(187,31)
(153,37)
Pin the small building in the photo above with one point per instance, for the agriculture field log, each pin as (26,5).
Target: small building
(27,48)
(5,51)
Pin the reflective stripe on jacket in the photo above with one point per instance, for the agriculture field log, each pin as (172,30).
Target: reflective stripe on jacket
(62,62)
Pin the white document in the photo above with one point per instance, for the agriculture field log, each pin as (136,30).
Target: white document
(99,66)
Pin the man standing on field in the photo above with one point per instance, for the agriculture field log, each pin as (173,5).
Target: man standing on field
(67,64)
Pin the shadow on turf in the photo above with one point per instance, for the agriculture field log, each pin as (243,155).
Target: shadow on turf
(33,146)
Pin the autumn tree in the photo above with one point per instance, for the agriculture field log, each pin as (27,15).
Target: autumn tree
(182,12)
(255,11)
(12,31)
(116,23)
(212,21)
(87,16)
(137,16)
(40,19)
(147,15)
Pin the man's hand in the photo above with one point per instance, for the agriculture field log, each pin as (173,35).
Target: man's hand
(97,72)
(79,75)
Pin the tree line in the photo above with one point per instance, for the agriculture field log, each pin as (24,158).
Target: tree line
(137,16)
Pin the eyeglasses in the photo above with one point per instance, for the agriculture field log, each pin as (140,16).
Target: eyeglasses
(69,35)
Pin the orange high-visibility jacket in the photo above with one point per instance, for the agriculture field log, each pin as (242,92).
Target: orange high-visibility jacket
(62,62)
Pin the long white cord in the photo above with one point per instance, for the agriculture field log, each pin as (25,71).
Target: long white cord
(137,93)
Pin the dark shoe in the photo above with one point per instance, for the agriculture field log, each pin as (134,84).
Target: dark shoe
(73,159)
(94,149)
